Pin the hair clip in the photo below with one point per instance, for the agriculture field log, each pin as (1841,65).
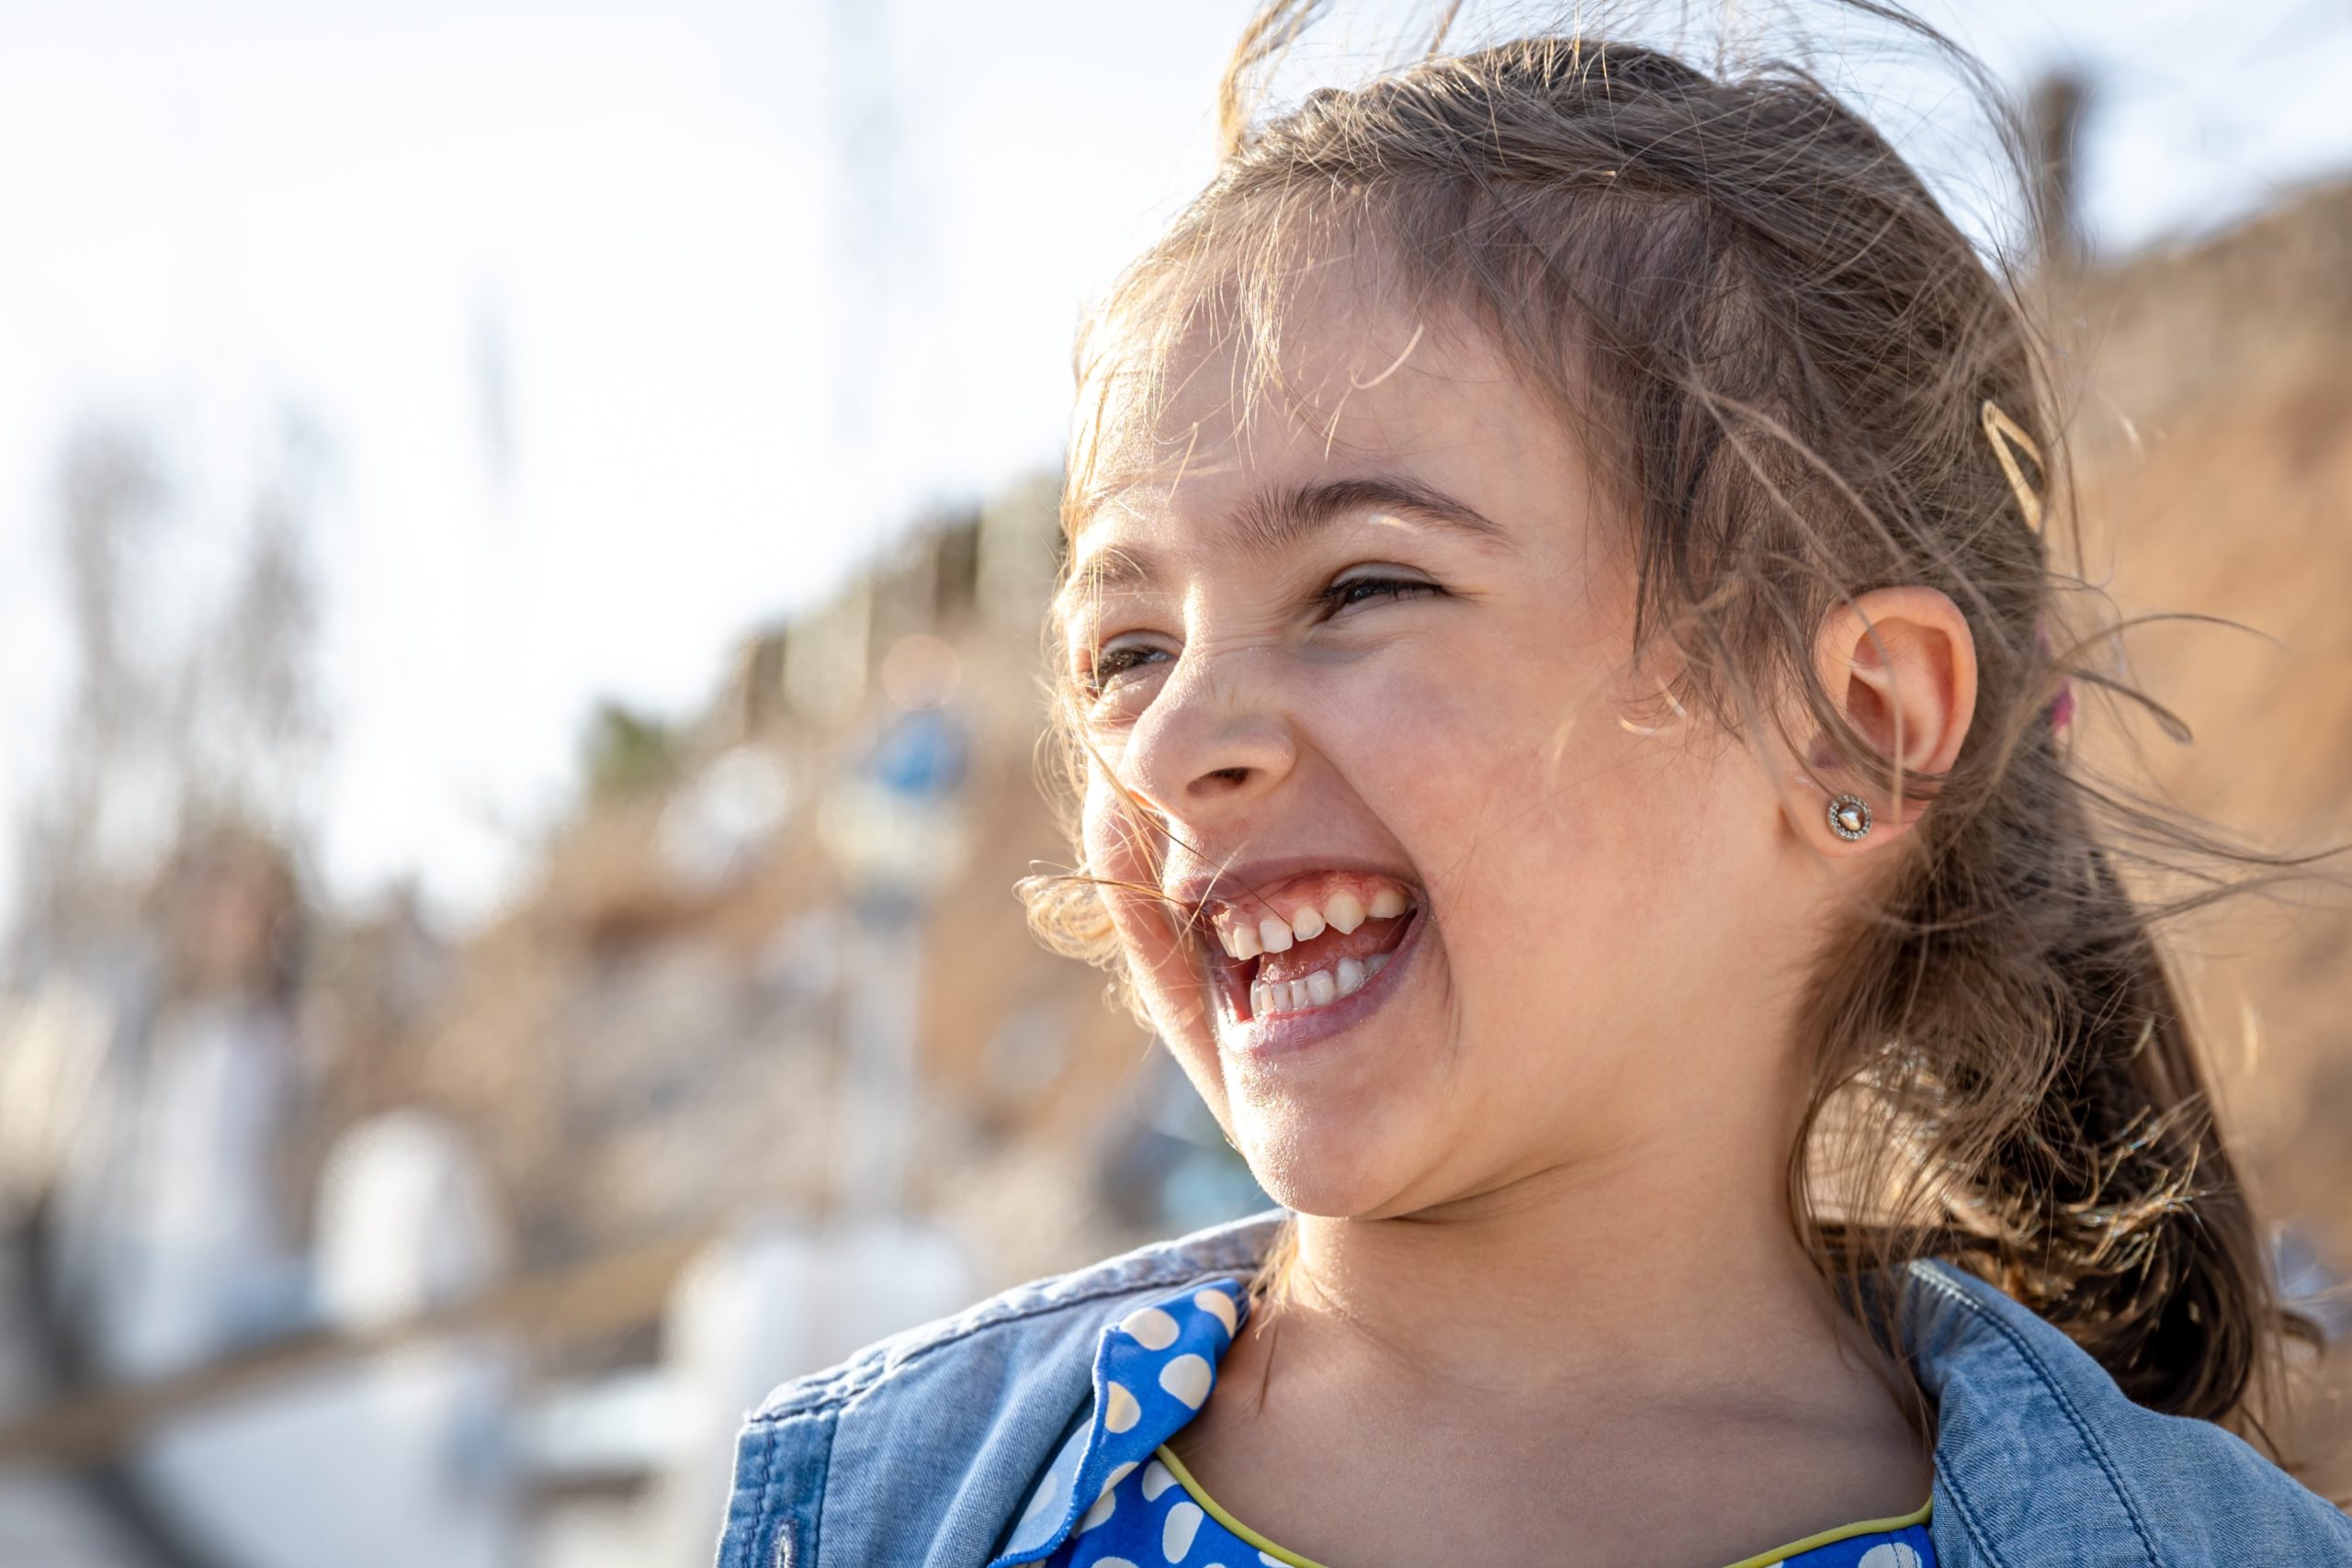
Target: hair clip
(2000,430)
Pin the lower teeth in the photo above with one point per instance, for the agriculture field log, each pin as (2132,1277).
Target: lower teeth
(1317,989)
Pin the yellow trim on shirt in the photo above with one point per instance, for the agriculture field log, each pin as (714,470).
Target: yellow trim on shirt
(1865,1527)
(1216,1510)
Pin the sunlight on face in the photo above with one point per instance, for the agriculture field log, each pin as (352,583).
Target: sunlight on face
(1380,642)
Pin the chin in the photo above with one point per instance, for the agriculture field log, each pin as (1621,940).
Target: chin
(1328,1162)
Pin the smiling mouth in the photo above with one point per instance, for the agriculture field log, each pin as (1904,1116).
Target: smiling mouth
(1308,943)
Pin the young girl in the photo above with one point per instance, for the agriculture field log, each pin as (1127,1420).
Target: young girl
(1572,763)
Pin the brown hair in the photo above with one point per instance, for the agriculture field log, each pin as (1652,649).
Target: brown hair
(1776,347)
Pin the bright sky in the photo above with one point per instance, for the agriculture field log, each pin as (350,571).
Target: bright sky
(633,211)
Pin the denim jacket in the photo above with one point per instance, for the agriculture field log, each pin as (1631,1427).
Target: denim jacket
(918,1451)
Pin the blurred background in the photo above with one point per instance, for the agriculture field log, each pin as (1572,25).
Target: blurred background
(523,532)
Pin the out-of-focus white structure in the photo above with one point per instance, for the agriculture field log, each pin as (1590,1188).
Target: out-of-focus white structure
(769,1303)
(401,1454)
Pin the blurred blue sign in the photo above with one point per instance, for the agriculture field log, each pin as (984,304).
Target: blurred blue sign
(924,755)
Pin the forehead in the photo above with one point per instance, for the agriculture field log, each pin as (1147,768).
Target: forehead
(1352,402)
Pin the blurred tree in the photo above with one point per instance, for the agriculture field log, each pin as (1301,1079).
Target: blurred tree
(2054,120)
(626,752)
(185,711)
(110,496)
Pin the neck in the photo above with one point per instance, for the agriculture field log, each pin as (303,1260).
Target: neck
(1659,1265)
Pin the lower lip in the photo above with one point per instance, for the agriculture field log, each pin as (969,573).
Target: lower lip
(1283,1033)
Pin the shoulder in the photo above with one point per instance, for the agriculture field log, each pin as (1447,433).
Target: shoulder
(2040,1457)
(920,1448)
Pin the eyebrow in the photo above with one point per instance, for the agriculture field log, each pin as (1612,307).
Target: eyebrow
(1280,518)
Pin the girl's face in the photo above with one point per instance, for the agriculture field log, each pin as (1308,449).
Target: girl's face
(1460,923)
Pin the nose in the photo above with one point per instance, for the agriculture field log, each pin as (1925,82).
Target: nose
(1213,739)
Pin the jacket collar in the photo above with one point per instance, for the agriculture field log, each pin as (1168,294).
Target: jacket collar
(2041,1458)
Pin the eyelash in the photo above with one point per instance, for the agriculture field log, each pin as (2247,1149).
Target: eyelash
(1335,597)
(1390,588)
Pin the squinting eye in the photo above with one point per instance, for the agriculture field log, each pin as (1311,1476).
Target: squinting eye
(1368,589)
(1112,664)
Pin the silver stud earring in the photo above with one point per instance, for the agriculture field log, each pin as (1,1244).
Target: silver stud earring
(1850,815)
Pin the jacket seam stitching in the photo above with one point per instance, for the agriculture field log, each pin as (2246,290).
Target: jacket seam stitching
(763,1479)
(859,1379)
(2034,1363)
(824,1494)
(1960,1505)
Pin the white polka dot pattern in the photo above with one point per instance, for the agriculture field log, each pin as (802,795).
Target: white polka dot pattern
(1120,1411)
(1153,1328)
(1103,1500)
(1188,1378)
(1049,1492)
(1177,1533)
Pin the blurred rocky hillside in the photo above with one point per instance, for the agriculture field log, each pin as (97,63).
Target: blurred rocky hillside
(2215,442)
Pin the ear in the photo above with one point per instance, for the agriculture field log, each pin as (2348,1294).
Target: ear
(1900,665)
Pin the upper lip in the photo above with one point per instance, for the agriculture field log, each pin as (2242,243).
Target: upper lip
(1198,895)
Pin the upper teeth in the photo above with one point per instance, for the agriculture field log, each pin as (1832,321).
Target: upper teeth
(1343,912)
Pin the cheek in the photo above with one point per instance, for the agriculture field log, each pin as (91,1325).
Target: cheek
(1120,847)
(1546,834)
(1459,767)
(1119,841)
(1116,848)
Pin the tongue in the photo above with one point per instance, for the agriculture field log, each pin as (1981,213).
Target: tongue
(1303,958)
